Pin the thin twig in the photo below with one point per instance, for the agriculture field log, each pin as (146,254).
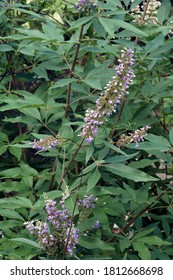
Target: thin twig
(72,71)
(138,215)
(69,165)
(143,17)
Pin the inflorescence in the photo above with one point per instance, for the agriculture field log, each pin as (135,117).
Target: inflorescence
(87,202)
(150,14)
(86,207)
(58,232)
(135,137)
(81,5)
(107,104)
(45,144)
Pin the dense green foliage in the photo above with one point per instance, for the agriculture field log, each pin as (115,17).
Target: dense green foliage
(55,63)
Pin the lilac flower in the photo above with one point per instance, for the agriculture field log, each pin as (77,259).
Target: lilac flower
(107,104)
(45,144)
(81,5)
(73,239)
(87,202)
(63,234)
(136,137)
(96,225)
(30,226)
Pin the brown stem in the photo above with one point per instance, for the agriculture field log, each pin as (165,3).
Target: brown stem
(138,215)
(68,167)
(72,70)
(143,17)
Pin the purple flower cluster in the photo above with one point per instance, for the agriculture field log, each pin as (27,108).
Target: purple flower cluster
(61,220)
(107,104)
(45,144)
(96,225)
(136,137)
(87,202)
(64,235)
(42,231)
(81,5)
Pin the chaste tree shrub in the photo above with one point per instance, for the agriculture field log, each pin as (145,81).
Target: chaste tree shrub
(86,135)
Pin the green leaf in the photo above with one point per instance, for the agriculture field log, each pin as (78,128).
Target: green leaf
(11,173)
(12,186)
(32,34)
(123,158)
(166,226)
(130,27)
(10,224)
(125,171)
(24,202)
(28,180)
(164,11)
(63,82)
(89,168)
(153,240)
(108,26)
(124,244)
(143,251)
(52,32)
(27,242)
(94,243)
(93,82)
(15,202)
(154,44)
(89,152)
(28,170)
(142,163)
(3,149)
(17,152)
(114,148)
(171,136)
(79,22)
(157,139)
(31,112)
(66,131)
(40,72)
(5,48)
(93,179)
(151,147)
(11,214)
(26,11)
(143,233)
(3,137)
